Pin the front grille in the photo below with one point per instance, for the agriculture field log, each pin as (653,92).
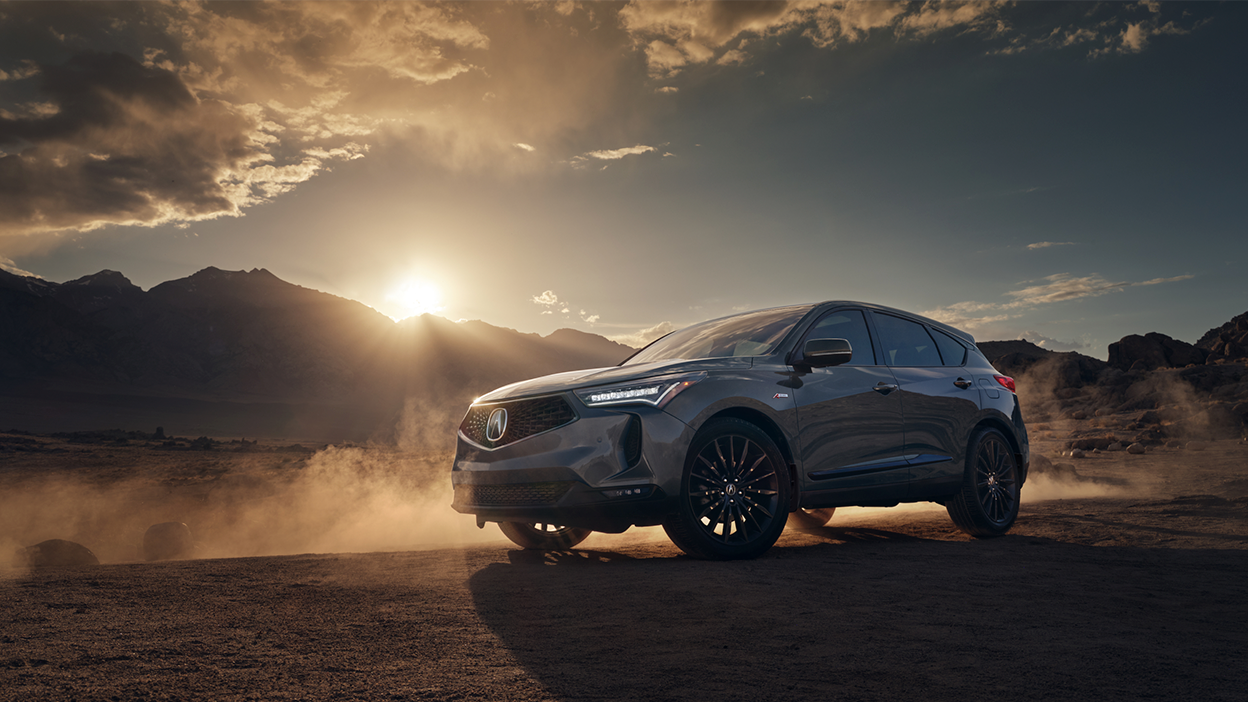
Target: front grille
(518,495)
(524,419)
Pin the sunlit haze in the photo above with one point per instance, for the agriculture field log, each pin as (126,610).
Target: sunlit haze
(411,298)
(1068,173)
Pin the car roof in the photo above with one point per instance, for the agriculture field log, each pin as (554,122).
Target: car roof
(952,331)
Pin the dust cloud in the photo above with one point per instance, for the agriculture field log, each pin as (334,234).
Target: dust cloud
(337,499)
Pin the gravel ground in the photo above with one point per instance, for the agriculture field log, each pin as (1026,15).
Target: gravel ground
(1131,582)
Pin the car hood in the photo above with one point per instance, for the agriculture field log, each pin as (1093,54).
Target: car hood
(572,380)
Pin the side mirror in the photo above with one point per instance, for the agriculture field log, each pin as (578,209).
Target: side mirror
(821,353)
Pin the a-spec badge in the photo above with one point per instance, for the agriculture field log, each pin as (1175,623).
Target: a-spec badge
(497,425)
(779,395)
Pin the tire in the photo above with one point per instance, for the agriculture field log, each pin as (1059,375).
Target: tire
(987,504)
(543,537)
(811,518)
(730,508)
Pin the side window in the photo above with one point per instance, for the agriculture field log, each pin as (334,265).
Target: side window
(906,343)
(953,353)
(851,326)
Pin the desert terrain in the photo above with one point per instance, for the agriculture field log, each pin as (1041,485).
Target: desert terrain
(340,572)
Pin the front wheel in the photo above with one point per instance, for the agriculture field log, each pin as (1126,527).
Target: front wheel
(543,537)
(734,495)
(987,504)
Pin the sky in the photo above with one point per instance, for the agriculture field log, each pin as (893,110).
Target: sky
(1065,173)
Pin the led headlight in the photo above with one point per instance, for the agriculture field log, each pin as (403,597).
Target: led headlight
(653,391)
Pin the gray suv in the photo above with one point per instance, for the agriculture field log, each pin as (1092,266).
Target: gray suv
(724,431)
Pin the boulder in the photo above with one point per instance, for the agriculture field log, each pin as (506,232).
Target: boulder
(59,552)
(1116,446)
(166,541)
(1136,448)
(1092,442)
(1153,350)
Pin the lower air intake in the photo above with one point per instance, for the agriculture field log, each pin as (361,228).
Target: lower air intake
(520,495)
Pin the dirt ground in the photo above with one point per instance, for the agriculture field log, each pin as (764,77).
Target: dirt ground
(1126,579)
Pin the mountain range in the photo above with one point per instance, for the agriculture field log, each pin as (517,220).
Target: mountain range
(244,353)
(237,352)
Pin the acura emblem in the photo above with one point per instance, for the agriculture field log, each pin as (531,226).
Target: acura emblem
(497,426)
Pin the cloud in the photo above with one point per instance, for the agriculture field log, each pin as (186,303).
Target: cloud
(1050,343)
(1047,244)
(131,144)
(524,147)
(614,154)
(8,266)
(1064,286)
(220,107)
(676,35)
(641,337)
(547,298)
(1060,287)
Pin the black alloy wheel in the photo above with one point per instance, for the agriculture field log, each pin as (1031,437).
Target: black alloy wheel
(734,496)
(543,537)
(987,504)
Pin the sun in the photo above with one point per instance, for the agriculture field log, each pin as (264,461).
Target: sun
(414,297)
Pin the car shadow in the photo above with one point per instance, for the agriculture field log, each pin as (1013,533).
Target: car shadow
(833,620)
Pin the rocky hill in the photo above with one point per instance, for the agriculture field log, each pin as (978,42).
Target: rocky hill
(1153,389)
(232,343)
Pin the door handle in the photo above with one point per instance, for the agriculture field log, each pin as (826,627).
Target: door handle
(884,388)
(963,383)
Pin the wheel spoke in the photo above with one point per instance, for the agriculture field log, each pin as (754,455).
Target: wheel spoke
(755,480)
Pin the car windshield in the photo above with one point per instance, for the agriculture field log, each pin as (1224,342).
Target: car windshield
(749,334)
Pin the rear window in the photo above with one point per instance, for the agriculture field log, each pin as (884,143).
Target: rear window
(906,343)
(953,353)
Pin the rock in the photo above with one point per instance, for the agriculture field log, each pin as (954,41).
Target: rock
(1136,448)
(1196,446)
(1103,412)
(1240,409)
(1090,443)
(58,552)
(1150,417)
(1153,350)
(1076,453)
(1078,414)
(1116,446)
(1174,443)
(167,540)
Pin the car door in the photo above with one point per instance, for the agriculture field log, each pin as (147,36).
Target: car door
(849,422)
(939,401)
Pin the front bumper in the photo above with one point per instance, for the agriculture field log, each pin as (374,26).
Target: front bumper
(578,474)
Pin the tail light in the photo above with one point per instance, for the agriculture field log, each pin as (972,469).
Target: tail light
(1006,382)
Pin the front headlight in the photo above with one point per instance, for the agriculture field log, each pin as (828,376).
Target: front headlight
(652,391)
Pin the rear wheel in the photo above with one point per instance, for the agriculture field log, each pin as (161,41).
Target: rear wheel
(734,496)
(987,504)
(543,537)
(811,518)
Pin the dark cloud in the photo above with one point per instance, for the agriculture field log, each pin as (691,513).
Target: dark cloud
(147,113)
(114,141)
